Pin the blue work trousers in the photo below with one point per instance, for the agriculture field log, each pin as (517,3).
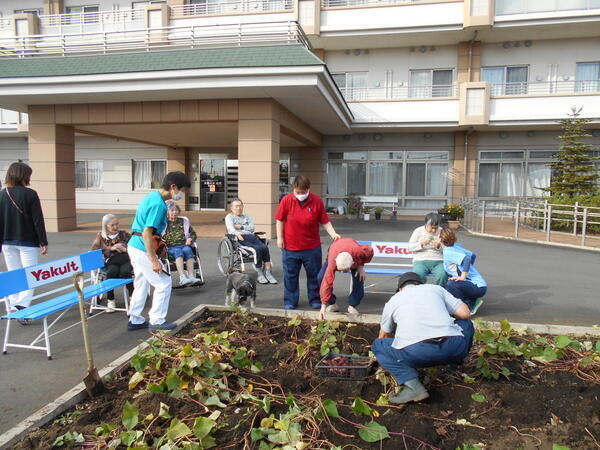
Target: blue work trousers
(403,364)
(292,261)
(466,291)
(358,287)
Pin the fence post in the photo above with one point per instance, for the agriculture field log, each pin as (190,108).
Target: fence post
(545,216)
(575,210)
(548,222)
(584,225)
(517,216)
(483,216)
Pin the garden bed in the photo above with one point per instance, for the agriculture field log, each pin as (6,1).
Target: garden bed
(234,380)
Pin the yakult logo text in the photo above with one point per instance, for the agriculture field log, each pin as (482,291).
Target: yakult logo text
(391,249)
(52,271)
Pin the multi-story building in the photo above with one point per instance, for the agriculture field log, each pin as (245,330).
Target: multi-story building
(422,101)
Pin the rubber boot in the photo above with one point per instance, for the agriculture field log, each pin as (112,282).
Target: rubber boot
(413,391)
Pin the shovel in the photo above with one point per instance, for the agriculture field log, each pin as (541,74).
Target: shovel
(92,381)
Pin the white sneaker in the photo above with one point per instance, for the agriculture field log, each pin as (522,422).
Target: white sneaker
(352,310)
(183,280)
(332,308)
(269,276)
(110,306)
(194,280)
(261,277)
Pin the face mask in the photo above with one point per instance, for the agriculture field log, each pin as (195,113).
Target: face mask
(112,236)
(301,197)
(178,196)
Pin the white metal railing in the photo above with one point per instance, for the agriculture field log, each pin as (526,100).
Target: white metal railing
(400,92)
(545,87)
(193,36)
(507,7)
(114,20)
(337,3)
(534,218)
(230,7)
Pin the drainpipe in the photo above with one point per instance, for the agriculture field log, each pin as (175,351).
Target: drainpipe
(469,131)
(471,55)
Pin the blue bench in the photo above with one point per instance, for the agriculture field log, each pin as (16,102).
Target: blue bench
(383,251)
(19,280)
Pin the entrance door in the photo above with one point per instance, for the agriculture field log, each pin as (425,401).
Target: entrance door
(212,184)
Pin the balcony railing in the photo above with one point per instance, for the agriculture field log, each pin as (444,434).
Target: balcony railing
(350,3)
(507,7)
(194,36)
(546,87)
(401,92)
(231,7)
(116,20)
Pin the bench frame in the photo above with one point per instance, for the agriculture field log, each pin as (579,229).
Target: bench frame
(372,201)
(18,280)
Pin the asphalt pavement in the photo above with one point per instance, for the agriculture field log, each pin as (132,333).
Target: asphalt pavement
(528,283)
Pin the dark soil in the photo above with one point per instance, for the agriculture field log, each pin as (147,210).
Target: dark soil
(535,409)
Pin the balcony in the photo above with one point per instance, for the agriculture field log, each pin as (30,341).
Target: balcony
(231,7)
(544,102)
(90,22)
(145,39)
(12,121)
(404,105)
(511,7)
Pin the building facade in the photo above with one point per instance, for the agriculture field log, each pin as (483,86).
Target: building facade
(419,102)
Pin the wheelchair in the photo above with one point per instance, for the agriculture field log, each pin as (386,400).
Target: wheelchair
(232,254)
(170,267)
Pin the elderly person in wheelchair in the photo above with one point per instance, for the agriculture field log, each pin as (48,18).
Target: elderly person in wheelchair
(242,227)
(180,238)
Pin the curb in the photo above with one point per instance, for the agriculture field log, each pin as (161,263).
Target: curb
(78,392)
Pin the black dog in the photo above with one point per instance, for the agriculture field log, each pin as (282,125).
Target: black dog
(240,288)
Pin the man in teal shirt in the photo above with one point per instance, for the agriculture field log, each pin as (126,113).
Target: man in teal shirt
(151,219)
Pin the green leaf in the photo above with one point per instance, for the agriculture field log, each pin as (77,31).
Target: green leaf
(382,400)
(330,408)
(373,432)
(468,379)
(128,437)
(479,398)
(173,381)
(324,349)
(505,326)
(135,380)
(560,447)
(294,322)
(301,350)
(208,442)
(549,354)
(177,430)
(214,400)
(360,407)
(203,426)
(256,434)
(164,411)
(267,404)
(104,429)
(130,416)
(139,363)
(598,346)
(156,388)
(562,341)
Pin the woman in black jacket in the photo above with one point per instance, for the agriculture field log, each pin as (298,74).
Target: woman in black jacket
(22,230)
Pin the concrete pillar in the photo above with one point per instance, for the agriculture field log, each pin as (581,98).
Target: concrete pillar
(53,7)
(469,56)
(464,185)
(177,161)
(309,162)
(52,158)
(258,176)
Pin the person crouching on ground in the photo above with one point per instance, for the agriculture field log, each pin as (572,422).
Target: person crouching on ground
(113,243)
(150,220)
(425,243)
(242,227)
(465,282)
(345,255)
(426,334)
(180,236)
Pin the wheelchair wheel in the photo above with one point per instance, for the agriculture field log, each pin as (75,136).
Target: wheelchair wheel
(225,256)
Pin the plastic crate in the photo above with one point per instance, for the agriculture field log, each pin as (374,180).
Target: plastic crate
(357,369)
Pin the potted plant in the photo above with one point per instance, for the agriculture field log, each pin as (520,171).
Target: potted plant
(378,212)
(353,206)
(394,216)
(366,214)
(452,214)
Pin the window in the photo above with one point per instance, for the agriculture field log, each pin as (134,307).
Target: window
(83,14)
(506,80)
(587,77)
(148,174)
(430,83)
(88,174)
(353,85)
(385,178)
(346,178)
(37,12)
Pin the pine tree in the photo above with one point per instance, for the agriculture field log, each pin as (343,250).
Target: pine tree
(574,172)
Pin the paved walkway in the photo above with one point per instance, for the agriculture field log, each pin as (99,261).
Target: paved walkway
(528,283)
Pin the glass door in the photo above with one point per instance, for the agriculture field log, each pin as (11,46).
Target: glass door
(212,184)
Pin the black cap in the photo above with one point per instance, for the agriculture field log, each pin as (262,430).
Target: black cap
(408,276)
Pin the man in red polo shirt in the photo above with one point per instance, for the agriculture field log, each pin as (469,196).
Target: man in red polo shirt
(298,218)
(345,255)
